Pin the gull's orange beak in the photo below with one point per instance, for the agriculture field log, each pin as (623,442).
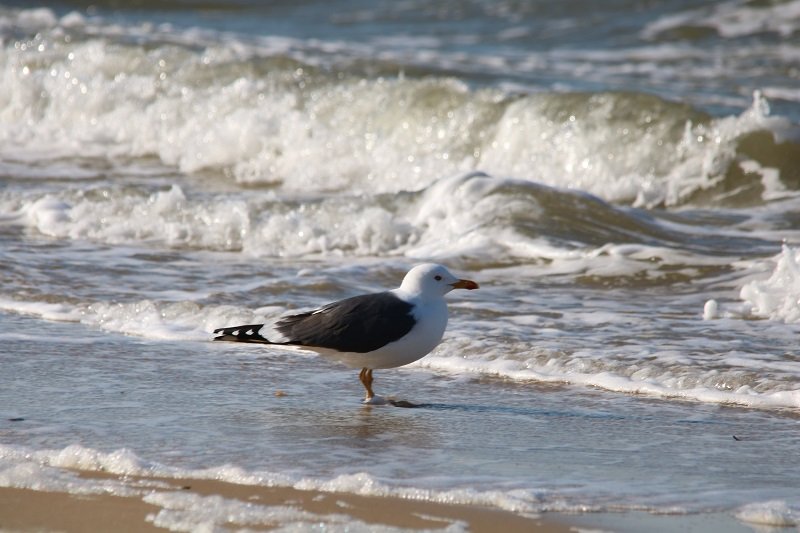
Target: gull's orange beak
(465,284)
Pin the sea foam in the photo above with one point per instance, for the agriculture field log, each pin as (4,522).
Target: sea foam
(50,470)
(775,513)
(733,19)
(279,121)
(146,318)
(471,214)
(666,382)
(777,297)
(57,471)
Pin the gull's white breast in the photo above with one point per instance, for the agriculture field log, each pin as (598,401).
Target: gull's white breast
(427,333)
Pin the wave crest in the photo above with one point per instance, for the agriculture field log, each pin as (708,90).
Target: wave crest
(263,115)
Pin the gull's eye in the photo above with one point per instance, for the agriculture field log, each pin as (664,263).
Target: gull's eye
(437,277)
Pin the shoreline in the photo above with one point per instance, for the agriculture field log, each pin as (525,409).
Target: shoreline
(148,508)
(153,504)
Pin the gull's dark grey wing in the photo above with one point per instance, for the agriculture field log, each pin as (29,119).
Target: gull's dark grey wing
(360,324)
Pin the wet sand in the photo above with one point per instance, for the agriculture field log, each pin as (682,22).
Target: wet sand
(33,510)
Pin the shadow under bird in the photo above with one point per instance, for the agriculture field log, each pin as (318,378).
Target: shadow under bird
(371,331)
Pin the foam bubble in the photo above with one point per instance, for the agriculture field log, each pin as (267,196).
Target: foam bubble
(777,297)
(775,513)
(710,310)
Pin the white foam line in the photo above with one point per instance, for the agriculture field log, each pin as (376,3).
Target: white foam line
(45,470)
(55,471)
(144,318)
(520,371)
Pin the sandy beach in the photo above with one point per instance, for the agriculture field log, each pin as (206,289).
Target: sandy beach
(33,510)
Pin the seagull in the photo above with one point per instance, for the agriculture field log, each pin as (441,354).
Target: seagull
(372,331)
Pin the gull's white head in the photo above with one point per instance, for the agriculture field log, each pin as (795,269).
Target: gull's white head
(430,279)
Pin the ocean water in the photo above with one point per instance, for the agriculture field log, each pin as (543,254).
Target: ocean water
(622,179)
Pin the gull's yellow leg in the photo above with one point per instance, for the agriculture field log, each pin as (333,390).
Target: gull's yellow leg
(366,379)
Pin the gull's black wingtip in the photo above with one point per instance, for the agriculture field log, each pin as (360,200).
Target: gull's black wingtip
(246,333)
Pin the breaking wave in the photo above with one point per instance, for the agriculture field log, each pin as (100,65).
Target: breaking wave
(108,99)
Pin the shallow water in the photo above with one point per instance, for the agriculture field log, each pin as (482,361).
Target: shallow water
(624,187)
(519,445)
